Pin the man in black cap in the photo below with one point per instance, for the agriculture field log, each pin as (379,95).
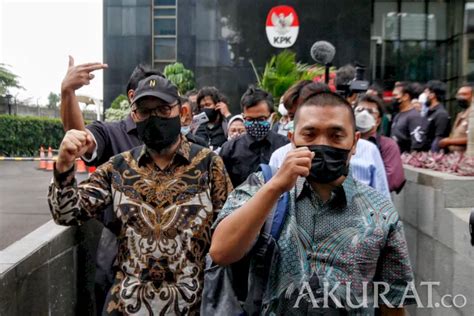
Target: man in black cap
(108,139)
(165,194)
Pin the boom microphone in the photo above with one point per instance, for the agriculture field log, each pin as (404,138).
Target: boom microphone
(323,52)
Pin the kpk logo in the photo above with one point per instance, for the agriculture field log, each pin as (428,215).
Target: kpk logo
(282,26)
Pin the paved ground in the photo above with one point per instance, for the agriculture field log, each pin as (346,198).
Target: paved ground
(23,203)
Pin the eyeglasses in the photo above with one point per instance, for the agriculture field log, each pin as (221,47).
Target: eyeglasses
(256,119)
(370,110)
(163,110)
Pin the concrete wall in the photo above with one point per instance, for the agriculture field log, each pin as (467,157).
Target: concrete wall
(27,110)
(50,272)
(435,209)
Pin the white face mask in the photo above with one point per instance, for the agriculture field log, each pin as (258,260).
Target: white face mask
(364,121)
(185,130)
(422,98)
(282,110)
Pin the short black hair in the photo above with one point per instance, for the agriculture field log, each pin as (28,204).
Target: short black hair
(293,93)
(141,72)
(208,92)
(438,88)
(418,88)
(407,88)
(377,88)
(373,99)
(327,98)
(253,96)
(191,93)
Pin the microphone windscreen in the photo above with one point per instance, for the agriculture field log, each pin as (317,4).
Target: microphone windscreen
(323,52)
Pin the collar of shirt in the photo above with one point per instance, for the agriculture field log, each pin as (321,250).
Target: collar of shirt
(183,152)
(375,140)
(340,196)
(130,124)
(435,109)
(254,143)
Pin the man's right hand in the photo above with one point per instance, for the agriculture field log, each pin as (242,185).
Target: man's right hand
(74,145)
(297,164)
(80,75)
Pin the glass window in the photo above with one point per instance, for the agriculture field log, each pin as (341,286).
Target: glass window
(129,21)
(165,26)
(165,2)
(469,18)
(129,2)
(165,48)
(165,12)
(381,10)
(437,20)
(114,21)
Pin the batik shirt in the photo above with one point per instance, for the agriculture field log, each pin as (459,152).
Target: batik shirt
(166,218)
(356,236)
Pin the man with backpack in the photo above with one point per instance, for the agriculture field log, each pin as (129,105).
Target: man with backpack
(337,234)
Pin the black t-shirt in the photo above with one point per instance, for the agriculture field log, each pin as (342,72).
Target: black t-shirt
(437,125)
(213,134)
(243,155)
(407,130)
(113,138)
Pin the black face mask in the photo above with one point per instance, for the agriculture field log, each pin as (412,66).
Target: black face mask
(159,133)
(463,103)
(211,114)
(396,105)
(329,163)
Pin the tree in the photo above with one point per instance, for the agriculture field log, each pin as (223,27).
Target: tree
(117,102)
(183,78)
(53,100)
(119,109)
(282,71)
(7,80)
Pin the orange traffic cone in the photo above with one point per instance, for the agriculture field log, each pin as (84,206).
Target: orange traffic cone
(50,162)
(42,162)
(81,166)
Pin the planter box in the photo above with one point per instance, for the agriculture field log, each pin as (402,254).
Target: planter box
(435,209)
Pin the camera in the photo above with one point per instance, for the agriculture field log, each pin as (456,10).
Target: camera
(354,85)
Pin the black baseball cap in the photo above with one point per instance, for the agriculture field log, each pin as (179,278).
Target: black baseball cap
(156,86)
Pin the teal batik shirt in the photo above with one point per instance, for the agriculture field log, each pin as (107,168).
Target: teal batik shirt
(344,244)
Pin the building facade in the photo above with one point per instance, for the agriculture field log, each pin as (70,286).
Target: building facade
(217,39)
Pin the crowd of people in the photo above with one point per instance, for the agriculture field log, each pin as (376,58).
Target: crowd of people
(180,178)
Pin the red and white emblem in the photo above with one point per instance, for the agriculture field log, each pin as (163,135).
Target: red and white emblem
(282,26)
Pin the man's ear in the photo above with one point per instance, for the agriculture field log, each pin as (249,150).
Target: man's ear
(183,112)
(130,95)
(356,139)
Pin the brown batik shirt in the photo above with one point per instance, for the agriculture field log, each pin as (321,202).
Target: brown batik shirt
(166,218)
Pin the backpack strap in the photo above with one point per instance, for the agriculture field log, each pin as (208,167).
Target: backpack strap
(276,218)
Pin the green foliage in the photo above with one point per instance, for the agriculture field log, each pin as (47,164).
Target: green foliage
(119,110)
(183,78)
(53,100)
(7,80)
(117,103)
(282,71)
(23,135)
